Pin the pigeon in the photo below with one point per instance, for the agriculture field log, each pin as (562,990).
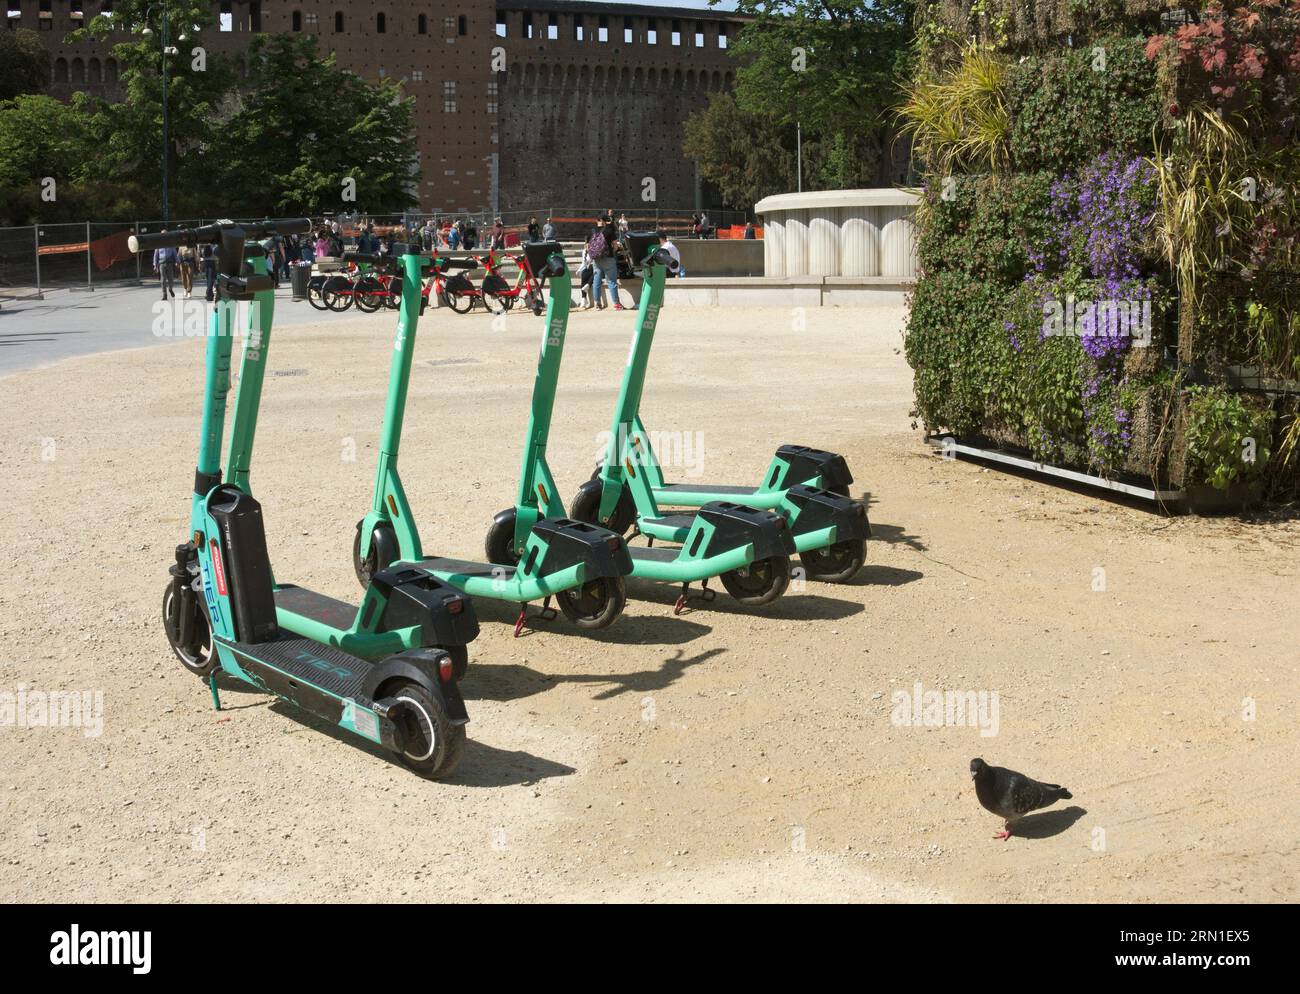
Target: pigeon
(1010,795)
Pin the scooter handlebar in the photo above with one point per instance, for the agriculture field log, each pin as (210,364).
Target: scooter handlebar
(210,234)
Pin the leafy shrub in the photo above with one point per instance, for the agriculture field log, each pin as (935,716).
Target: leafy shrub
(1067,108)
(1227,439)
(984,226)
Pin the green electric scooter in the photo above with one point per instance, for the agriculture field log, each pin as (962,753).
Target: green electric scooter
(382,671)
(581,565)
(748,548)
(808,487)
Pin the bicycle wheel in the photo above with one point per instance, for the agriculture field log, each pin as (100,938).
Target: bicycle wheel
(337,293)
(368,294)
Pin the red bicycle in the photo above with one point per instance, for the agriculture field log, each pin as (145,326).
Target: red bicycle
(456,291)
(526,284)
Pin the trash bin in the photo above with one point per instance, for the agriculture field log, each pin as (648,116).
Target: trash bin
(299,276)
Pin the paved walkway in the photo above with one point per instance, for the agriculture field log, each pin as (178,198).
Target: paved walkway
(70,323)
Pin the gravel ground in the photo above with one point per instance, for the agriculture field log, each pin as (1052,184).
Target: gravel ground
(727,754)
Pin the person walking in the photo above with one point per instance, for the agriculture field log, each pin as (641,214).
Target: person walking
(185,257)
(749,230)
(209,259)
(602,245)
(470,235)
(322,244)
(164,265)
(497,240)
(622,227)
(453,237)
(548,230)
(534,231)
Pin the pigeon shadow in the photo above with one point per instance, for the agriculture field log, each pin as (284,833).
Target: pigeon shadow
(1045,824)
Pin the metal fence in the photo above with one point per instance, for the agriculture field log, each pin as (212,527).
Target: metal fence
(85,255)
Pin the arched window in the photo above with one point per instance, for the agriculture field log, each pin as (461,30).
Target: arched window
(94,75)
(381,22)
(78,71)
(338,22)
(110,72)
(423,24)
(60,70)
(297,20)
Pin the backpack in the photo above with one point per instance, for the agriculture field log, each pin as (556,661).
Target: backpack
(597,248)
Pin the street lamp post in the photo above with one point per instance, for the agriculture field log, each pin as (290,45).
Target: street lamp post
(167,49)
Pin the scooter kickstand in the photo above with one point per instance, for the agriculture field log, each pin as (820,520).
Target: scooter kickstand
(212,685)
(519,622)
(681,599)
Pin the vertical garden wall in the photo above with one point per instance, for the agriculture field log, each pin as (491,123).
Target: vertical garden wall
(1109,238)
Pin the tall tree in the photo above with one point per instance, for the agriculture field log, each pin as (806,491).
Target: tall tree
(46,153)
(831,69)
(746,156)
(306,127)
(198,82)
(24,63)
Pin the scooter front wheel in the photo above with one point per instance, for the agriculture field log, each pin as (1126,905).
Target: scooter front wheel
(431,743)
(761,582)
(383,550)
(838,563)
(500,543)
(198,658)
(586,506)
(595,604)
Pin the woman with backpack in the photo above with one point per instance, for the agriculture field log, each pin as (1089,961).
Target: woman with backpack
(601,246)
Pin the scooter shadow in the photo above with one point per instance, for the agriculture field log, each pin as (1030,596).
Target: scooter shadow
(792,605)
(482,766)
(512,682)
(627,630)
(884,576)
(889,534)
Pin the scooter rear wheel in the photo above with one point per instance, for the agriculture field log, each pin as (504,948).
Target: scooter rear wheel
(837,563)
(431,743)
(595,604)
(202,662)
(383,551)
(761,582)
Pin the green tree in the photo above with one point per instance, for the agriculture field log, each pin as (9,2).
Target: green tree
(828,67)
(746,156)
(24,63)
(305,126)
(43,139)
(198,83)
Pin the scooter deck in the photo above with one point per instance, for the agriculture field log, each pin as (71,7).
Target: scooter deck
(464,567)
(671,521)
(289,661)
(705,488)
(318,607)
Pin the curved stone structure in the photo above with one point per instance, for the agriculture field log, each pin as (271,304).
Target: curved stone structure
(861,233)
